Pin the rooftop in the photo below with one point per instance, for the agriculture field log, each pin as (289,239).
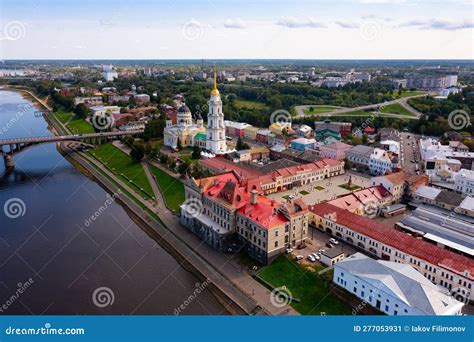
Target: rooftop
(397,239)
(427,192)
(402,282)
(449,228)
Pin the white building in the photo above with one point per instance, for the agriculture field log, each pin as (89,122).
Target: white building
(215,139)
(393,288)
(379,162)
(109,74)
(102,110)
(464,181)
(185,130)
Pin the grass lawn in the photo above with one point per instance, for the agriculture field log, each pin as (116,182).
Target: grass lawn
(319,109)
(287,197)
(63,116)
(121,164)
(319,188)
(408,93)
(312,290)
(79,126)
(171,188)
(250,104)
(352,187)
(357,112)
(304,192)
(395,108)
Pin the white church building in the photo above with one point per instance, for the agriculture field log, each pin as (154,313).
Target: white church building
(190,134)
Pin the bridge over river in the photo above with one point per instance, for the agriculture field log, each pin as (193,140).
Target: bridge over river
(10,147)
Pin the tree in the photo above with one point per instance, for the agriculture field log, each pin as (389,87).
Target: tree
(164,158)
(241,145)
(347,164)
(137,152)
(183,168)
(178,145)
(365,138)
(196,152)
(150,151)
(128,140)
(153,130)
(81,111)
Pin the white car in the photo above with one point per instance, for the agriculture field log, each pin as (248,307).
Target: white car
(289,250)
(321,250)
(315,256)
(333,241)
(298,257)
(311,258)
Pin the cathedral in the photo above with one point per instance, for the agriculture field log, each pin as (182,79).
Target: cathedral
(185,130)
(191,134)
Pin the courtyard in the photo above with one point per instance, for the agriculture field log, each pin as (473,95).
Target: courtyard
(324,190)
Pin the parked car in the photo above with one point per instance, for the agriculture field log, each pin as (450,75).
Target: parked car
(316,256)
(321,250)
(328,245)
(333,241)
(289,250)
(298,257)
(311,258)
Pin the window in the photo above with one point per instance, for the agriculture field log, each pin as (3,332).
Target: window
(276,243)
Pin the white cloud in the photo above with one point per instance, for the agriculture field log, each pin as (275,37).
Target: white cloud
(235,23)
(438,24)
(347,25)
(294,22)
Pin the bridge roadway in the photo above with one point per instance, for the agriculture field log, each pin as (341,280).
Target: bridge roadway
(74,137)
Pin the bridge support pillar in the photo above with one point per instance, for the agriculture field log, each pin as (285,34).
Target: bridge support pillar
(9,163)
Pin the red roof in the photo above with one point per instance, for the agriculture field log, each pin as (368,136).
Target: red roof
(359,198)
(231,191)
(226,165)
(264,213)
(397,239)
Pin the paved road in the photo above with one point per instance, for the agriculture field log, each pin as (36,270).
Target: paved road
(410,152)
(337,112)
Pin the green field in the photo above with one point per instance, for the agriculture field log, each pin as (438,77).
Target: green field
(304,192)
(76,125)
(250,104)
(121,164)
(408,93)
(312,290)
(319,109)
(357,113)
(351,188)
(80,126)
(395,108)
(172,189)
(63,116)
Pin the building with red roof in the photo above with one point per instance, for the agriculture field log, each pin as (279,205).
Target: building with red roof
(441,266)
(228,213)
(356,201)
(280,179)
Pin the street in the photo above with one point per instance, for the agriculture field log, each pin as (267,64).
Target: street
(409,145)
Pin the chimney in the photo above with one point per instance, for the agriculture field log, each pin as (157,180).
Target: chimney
(253,197)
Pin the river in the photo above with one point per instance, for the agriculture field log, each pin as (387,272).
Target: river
(52,261)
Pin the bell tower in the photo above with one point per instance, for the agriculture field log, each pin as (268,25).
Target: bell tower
(215,138)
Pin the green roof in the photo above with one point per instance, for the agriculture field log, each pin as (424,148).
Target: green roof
(200,136)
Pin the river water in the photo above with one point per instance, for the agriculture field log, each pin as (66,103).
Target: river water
(53,262)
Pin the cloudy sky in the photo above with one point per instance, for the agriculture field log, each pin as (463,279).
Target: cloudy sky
(146,29)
